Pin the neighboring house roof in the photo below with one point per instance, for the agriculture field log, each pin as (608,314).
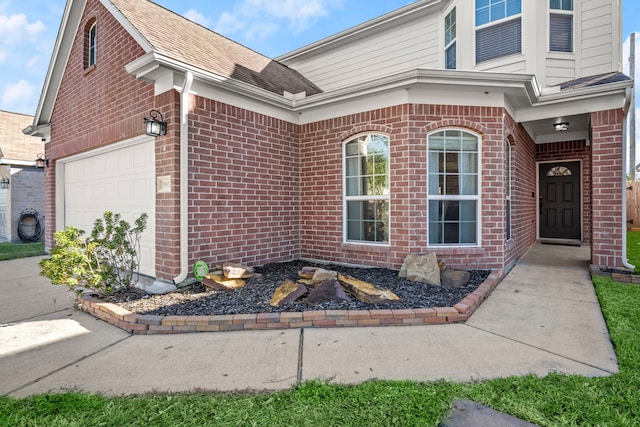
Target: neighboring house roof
(14,145)
(591,81)
(176,37)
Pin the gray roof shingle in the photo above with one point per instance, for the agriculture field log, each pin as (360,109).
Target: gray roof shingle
(14,145)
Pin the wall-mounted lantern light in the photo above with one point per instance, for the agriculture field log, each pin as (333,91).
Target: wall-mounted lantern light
(4,182)
(41,161)
(154,126)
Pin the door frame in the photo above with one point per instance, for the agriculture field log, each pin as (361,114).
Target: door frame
(581,180)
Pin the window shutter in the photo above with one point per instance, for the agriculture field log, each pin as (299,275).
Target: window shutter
(499,40)
(561,32)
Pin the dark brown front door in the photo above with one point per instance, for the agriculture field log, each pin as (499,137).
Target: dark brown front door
(560,200)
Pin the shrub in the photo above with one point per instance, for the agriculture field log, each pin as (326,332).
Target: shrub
(105,261)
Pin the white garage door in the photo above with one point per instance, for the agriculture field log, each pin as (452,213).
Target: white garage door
(120,179)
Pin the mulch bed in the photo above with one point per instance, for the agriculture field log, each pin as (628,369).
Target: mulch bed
(198,300)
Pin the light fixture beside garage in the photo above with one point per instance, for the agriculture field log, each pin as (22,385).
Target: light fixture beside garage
(41,161)
(154,126)
(4,182)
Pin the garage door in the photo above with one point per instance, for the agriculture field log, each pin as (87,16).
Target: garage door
(120,179)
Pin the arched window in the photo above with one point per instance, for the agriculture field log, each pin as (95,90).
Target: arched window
(454,188)
(366,189)
(91,34)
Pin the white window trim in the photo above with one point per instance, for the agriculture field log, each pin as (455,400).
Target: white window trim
(509,192)
(444,38)
(477,197)
(346,198)
(92,39)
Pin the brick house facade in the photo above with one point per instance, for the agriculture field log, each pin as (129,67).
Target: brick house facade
(263,179)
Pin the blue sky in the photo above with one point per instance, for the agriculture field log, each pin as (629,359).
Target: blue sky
(28,29)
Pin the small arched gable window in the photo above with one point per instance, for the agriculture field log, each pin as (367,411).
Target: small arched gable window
(90,43)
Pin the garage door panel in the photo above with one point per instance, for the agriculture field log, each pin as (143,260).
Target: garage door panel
(121,181)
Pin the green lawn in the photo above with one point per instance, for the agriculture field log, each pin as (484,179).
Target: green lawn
(556,400)
(633,249)
(20,250)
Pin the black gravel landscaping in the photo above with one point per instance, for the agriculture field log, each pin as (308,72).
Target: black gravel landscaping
(198,300)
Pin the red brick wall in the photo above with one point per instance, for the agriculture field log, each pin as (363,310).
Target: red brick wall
(607,186)
(573,150)
(523,192)
(244,186)
(104,104)
(407,127)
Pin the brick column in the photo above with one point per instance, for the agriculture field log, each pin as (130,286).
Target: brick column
(607,186)
(168,204)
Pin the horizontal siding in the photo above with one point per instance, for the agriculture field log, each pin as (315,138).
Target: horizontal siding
(399,49)
(517,65)
(559,71)
(597,38)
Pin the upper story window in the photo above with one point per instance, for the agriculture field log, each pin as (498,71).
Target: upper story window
(90,39)
(454,188)
(498,28)
(561,26)
(366,183)
(450,40)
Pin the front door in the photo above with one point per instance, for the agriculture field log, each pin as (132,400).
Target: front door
(560,200)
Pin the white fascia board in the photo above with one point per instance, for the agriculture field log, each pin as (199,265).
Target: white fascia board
(261,105)
(571,107)
(494,81)
(393,18)
(583,93)
(60,56)
(11,162)
(127,25)
(41,131)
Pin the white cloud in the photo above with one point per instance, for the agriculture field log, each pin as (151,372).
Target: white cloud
(3,55)
(262,18)
(197,17)
(17,28)
(16,97)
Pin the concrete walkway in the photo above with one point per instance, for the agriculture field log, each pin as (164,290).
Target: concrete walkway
(543,317)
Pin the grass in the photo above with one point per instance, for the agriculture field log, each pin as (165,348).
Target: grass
(555,400)
(633,249)
(20,250)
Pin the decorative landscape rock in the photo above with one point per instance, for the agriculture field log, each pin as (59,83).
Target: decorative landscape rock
(421,268)
(307,272)
(365,291)
(237,271)
(326,291)
(287,292)
(219,281)
(454,278)
(322,275)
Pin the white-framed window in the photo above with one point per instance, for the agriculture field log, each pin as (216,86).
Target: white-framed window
(508,152)
(366,189)
(450,35)
(91,44)
(454,188)
(498,28)
(561,25)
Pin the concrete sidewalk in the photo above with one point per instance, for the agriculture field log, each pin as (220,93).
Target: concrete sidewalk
(544,317)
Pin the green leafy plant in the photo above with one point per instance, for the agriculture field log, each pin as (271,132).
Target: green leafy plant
(105,261)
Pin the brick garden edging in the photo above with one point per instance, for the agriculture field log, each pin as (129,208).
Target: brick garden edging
(616,276)
(143,324)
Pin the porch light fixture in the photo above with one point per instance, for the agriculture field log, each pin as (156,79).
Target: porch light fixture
(41,161)
(154,126)
(561,127)
(4,182)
